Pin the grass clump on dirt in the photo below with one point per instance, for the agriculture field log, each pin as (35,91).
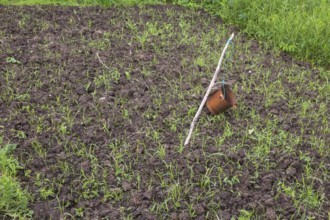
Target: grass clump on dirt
(14,201)
(105,100)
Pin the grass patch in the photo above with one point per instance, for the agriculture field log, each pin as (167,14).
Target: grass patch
(14,200)
(299,27)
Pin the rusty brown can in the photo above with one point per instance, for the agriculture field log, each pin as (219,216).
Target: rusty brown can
(221,100)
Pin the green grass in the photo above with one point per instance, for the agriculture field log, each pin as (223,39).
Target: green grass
(14,200)
(299,27)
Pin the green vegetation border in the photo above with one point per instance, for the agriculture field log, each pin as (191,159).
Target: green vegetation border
(299,27)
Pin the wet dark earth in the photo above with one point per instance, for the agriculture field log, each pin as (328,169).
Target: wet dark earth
(100,101)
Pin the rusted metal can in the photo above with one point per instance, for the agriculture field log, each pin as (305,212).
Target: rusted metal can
(221,100)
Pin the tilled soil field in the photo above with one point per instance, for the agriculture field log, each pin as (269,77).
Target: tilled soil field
(99,102)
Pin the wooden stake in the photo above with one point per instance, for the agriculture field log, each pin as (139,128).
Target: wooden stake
(97,55)
(208,91)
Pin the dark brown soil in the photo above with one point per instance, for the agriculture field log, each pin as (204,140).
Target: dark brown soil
(95,145)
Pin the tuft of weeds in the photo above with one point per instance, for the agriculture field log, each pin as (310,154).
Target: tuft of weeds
(14,200)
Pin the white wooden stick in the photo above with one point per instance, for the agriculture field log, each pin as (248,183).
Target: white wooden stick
(97,54)
(208,91)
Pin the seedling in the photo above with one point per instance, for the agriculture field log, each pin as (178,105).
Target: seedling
(12,60)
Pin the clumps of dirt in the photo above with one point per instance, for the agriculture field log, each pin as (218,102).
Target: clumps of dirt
(103,143)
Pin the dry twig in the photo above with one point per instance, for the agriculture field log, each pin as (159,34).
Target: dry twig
(208,91)
(98,57)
